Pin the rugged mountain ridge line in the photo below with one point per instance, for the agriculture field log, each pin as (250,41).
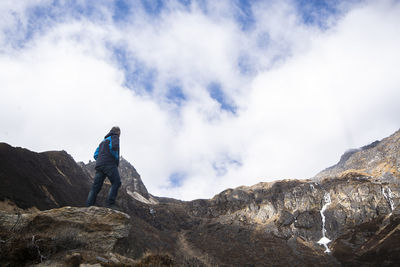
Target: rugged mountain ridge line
(380,159)
(268,224)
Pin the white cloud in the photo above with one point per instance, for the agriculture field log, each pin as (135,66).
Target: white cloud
(14,19)
(344,85)
(312,94)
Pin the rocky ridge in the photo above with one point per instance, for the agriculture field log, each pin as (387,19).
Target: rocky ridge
(348,215)
(380,159)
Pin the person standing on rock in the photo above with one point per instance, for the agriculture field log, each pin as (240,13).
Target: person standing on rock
(107,161)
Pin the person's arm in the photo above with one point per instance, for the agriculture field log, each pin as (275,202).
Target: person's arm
(115,147)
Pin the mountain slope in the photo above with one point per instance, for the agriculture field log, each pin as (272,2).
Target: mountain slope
(379,159)
(372,243)
(43,180)
(350,209)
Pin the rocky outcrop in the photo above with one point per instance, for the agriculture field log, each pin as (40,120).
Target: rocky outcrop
(66,235)
(131,180)
(373,243)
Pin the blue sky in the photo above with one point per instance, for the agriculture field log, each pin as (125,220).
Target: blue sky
(42,17)
(216,94)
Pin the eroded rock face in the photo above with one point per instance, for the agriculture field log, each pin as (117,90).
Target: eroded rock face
(372,243)
(288,208)
(55,234)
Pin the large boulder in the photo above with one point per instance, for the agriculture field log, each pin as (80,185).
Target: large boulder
(62,235)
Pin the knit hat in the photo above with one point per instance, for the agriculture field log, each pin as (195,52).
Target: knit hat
(115,130)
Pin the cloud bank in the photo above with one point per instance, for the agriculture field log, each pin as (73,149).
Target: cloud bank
(208,95)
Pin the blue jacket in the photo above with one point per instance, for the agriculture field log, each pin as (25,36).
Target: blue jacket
(107,153)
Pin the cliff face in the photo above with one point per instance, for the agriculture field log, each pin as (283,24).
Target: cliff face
(289,208)
(328,211)
(348,215)
(306,212)
(372,243)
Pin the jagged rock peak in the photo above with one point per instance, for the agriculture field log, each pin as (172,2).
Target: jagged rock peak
(131,180)
(378,159)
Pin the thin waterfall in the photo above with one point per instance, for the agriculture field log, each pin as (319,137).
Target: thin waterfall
(324,240)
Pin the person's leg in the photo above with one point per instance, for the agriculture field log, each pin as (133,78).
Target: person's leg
(96,187)
(113,176)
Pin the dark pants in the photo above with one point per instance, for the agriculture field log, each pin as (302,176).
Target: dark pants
(101,172)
